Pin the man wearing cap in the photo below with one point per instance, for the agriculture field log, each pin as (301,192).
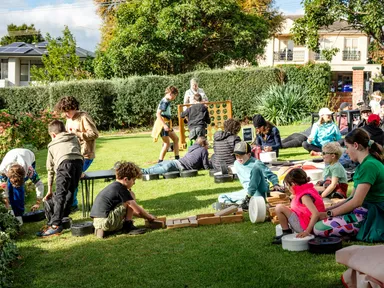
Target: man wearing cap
(365,111)
(374,130)
(253,176)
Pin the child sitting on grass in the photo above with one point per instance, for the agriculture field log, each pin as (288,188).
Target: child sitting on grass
(305,206)
(335,178)
(116,204)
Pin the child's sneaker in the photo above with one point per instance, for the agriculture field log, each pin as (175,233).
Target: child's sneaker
(245,204)
(131,229)
(51,231)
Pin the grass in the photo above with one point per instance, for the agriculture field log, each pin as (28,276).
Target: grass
(230,255)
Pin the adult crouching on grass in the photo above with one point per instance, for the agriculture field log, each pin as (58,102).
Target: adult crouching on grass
(323,132)
(115,205)
(362,214)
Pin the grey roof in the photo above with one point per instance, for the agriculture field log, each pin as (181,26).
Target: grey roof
(337,26)
(25,49)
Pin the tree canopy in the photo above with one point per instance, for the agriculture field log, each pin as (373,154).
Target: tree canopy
(366,16)
(23,33)
(61,62)
(170,37)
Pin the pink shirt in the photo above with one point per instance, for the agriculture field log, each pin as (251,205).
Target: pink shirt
(300,209)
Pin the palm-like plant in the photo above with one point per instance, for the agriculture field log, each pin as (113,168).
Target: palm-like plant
(284,104)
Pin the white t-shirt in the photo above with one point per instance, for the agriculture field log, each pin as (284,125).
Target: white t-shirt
(190,94)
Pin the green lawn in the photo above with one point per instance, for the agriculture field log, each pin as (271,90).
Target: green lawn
(230,255)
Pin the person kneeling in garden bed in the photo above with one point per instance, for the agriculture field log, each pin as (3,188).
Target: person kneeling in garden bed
(253,175)
(18,166)
(115,205)
(195,159)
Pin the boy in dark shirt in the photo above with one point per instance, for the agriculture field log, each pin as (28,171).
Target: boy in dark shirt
(198,118)
(115,205)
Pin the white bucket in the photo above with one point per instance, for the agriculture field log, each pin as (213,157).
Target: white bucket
(257,209)
(291,243)
(315,174)
(267,156)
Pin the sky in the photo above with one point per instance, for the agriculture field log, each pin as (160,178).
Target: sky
(50,16)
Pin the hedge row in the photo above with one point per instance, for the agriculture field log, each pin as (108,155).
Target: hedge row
(132,102)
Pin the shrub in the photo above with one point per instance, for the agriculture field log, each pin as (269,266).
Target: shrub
(284,104)
(26,130)
(314,78)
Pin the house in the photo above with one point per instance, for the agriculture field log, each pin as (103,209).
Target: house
(17,58)
(351,71)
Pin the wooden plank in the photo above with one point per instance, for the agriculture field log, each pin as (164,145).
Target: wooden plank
(192,218)
(156,224)
(198,216)
(193,223)
(232,218)
(176,221)
(239,211)
(281,195)
(227,211)
(209,220)
(169,222)
(185,221)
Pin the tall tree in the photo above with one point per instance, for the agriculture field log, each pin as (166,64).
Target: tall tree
(169,37)
(364,15)
(265,9)
(61,62)
(107,11)
(23,33)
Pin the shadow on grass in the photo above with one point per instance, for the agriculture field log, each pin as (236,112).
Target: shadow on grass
(183,201)
(211,256)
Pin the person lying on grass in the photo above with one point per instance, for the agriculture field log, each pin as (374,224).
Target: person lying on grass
(195,159)
(253,175)
(305,208)
(334,176)
(115,205)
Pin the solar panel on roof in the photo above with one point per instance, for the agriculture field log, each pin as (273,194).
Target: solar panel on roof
(22,50)
(2,49)
(16,44)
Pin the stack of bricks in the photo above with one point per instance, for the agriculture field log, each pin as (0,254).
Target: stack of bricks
(231,214)
(276,198)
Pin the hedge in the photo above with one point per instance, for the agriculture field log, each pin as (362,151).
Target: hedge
(132,102)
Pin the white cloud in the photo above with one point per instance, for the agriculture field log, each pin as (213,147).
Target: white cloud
(292,12)
(80,17)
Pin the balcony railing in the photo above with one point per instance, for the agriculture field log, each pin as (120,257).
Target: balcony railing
(351,55)
(286,56)
(320,57)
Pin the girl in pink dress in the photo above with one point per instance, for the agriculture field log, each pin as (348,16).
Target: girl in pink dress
(305,206)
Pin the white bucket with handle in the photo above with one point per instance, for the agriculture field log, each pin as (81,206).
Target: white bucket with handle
(257,209)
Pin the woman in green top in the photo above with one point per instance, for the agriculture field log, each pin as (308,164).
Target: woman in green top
(362,214)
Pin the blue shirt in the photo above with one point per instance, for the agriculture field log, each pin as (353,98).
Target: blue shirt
(165,107)
(272,140)
(324,133)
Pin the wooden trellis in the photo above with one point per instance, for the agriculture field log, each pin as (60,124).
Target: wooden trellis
(218,111)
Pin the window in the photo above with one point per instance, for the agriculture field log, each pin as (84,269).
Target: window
(350,44)
(24,71)
(4,69)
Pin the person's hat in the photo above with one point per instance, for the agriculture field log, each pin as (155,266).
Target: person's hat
(344,105)
(259,121)
(324,111)
(242,148)
(374,118)
(365,108)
